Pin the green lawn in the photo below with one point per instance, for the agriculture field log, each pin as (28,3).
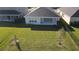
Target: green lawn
(75,36)
(32,40)
(76,31)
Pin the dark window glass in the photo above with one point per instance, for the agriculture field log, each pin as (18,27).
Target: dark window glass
(46,20)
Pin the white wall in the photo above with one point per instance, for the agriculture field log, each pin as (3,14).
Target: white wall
(36,19)
(39,20)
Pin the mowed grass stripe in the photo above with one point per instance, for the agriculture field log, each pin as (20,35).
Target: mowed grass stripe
(5,35)
(34,40)
(6,41)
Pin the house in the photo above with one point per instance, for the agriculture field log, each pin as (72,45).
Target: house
(42,16)
(12,13)
(69,14)
(22,10)
(8,15)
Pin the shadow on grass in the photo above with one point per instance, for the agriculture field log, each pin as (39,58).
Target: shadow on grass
(70,30)
(15,39)
(18,46)
(66,26)
(45,28)
(33,27)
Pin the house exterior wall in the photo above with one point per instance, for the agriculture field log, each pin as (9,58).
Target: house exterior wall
(74,19)
(38,20)
(8,18)
(27,20)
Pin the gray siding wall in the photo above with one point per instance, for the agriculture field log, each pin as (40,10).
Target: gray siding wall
(74,19)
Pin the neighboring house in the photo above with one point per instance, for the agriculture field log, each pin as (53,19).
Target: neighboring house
(12,13)
(9,15)
(22,10)
(69,14)
(42,16)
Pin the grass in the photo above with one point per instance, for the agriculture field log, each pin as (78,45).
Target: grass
(71,46)
(32,40)
(68,35)
(76,32)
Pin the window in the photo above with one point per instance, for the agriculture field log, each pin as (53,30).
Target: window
(31,21)
(8,17)
(46,20)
